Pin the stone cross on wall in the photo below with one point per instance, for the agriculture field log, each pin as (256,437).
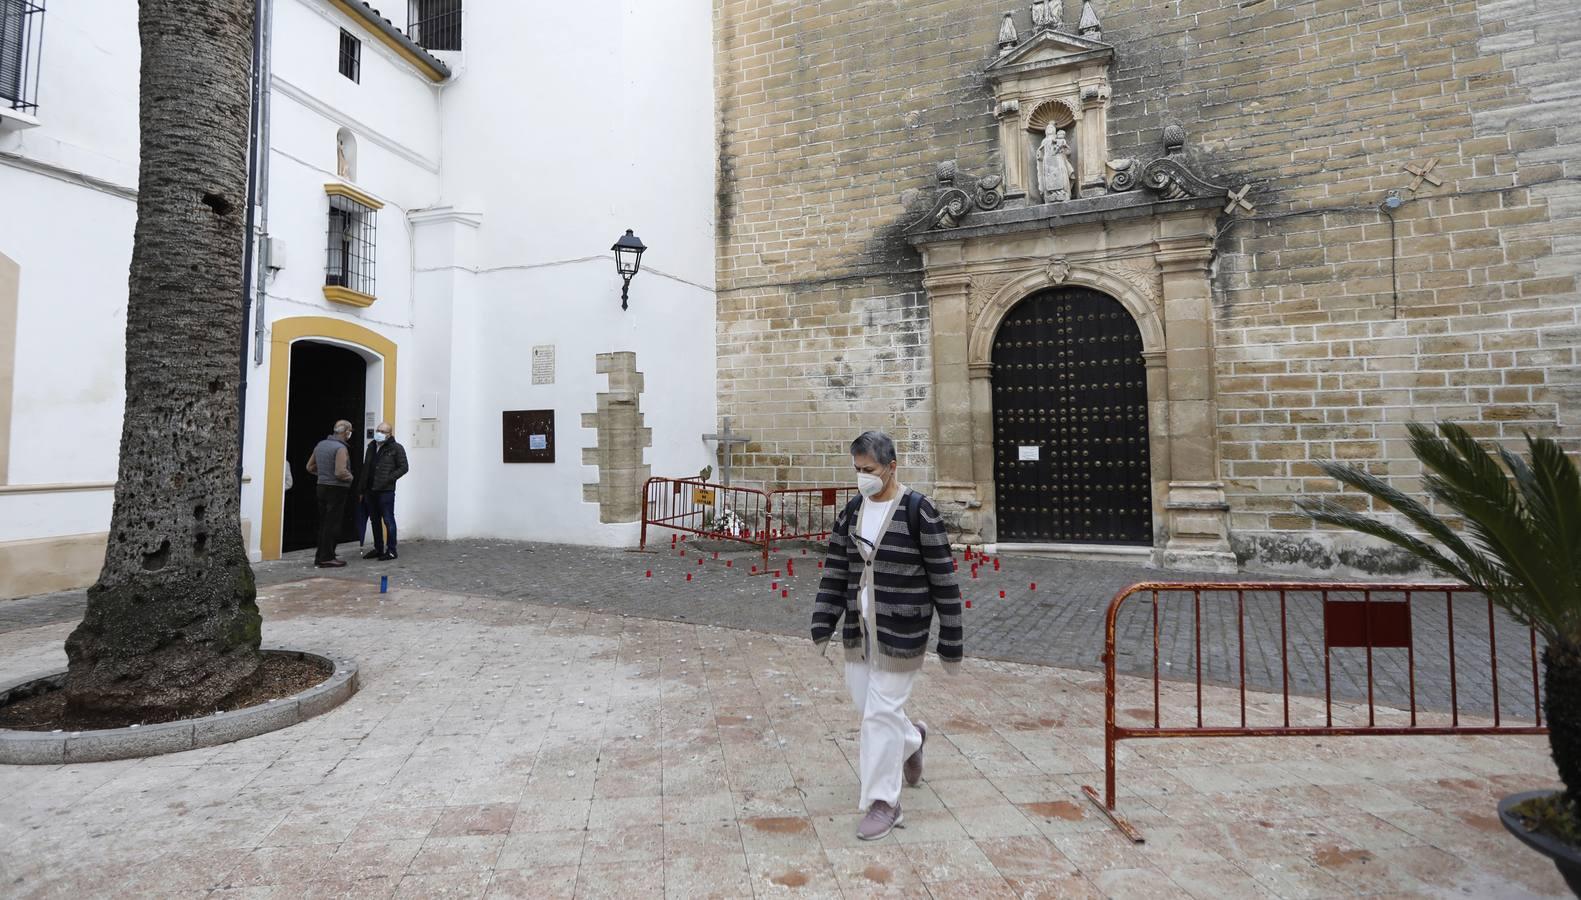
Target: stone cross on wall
(726,439)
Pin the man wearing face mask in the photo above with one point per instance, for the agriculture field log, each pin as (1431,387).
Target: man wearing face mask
(888,571)
(383,465)
(331,465)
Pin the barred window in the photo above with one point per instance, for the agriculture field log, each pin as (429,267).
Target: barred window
(21,40)
(350,55)
(353,237)
(435,24)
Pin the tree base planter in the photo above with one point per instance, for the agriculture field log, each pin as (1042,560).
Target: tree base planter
(1567,859)
(58,747)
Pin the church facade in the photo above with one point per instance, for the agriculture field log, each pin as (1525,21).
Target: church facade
(1116,273)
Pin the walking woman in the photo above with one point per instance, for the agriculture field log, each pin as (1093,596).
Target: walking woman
(889,569)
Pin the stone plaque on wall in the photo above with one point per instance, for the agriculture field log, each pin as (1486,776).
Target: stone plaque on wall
(543,364)
(529,435)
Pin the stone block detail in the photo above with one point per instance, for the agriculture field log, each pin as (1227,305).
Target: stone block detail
(621,440)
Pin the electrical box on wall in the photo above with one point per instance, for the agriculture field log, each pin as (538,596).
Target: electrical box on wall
(274,253)
(428,405)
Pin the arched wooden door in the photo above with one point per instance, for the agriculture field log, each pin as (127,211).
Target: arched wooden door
(1070,422)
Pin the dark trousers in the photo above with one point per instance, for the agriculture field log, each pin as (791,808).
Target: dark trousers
(381,512)
(331,519)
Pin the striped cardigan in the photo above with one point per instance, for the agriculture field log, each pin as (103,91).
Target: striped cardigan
(912,577)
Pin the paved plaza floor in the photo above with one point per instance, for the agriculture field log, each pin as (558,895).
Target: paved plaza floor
(504,746)
(1051,613)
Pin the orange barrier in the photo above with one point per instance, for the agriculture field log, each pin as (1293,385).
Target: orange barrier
(1367,617)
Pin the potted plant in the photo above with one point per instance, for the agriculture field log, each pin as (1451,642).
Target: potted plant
(1521,546)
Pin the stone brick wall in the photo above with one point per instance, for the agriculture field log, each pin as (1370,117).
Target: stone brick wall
(1331,334)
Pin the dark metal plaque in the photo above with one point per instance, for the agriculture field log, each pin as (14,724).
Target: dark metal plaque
(529,435)
(1070,422)
(1359,623)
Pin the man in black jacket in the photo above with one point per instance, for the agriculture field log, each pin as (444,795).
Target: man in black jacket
(383,465)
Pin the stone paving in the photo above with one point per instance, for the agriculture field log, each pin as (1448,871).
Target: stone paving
(516,749)
(1060,622)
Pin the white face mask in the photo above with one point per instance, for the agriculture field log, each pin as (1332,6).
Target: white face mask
(870,485)
(379,436)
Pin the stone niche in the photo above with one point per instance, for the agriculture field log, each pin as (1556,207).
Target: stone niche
(1140,233)
(1060,79)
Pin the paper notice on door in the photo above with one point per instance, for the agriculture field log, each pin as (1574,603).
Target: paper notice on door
(537,442)
(1031,454)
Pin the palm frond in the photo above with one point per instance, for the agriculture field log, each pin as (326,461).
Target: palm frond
(1522,536)
(1386,493)
(1331,513)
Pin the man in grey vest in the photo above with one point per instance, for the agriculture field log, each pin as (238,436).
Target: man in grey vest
(331,462)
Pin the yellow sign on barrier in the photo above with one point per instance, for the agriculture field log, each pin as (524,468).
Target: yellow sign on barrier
(703,496)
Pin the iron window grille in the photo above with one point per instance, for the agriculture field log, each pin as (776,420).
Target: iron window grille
(21,42)
(350,56)
(353,237)
(435,24)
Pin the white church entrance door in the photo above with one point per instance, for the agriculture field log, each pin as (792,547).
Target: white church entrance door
(1070,422)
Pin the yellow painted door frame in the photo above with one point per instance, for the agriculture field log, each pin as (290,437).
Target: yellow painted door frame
(283,333)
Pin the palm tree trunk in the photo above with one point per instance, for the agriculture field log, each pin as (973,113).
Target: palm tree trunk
(1562,706)
(173,622)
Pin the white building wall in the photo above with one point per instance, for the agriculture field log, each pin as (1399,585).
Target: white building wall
(393,114)
(568,124)
(67,208)
(564,125)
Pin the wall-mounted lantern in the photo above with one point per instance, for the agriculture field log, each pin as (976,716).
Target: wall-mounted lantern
(628,259)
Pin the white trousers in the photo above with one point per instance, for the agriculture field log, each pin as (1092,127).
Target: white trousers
(887,737)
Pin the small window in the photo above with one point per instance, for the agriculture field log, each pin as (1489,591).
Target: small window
(352,240)
(350,55)
(435,24)
(21,40)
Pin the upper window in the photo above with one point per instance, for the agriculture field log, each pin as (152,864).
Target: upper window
(435,24)
(21,38)
(352,240)
(350,55)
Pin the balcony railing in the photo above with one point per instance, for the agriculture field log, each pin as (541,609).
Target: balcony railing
(433,24)
(21,40)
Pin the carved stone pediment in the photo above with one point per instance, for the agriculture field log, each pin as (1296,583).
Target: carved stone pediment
(1049,51)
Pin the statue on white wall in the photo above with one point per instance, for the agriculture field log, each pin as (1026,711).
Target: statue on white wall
(1056,175)
(345,155)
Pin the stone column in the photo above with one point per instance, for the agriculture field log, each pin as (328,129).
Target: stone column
(1094,137)
(954,485)
(1158,437)
(1196,513)
(978,521)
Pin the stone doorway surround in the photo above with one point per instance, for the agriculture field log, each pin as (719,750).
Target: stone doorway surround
(1140,233)
(1152,255)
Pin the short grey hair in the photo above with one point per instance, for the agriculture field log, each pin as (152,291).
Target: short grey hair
(876,444)
(343,426)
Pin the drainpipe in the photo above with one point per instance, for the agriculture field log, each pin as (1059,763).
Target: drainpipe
(266,96)
(254,256)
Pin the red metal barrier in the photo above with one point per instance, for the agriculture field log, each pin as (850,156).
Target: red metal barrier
(805,514)
(694,506)
(1370,623)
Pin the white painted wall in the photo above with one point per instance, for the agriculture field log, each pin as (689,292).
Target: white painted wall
(568,124)
(87,93)
(73,243)
(564,125)
(393,113)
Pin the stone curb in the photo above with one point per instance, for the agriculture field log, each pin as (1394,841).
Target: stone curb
(20,748)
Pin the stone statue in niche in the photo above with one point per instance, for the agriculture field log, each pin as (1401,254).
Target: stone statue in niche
(1056,175)
(342,159)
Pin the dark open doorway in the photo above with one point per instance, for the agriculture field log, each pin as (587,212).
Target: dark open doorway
(327,383)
